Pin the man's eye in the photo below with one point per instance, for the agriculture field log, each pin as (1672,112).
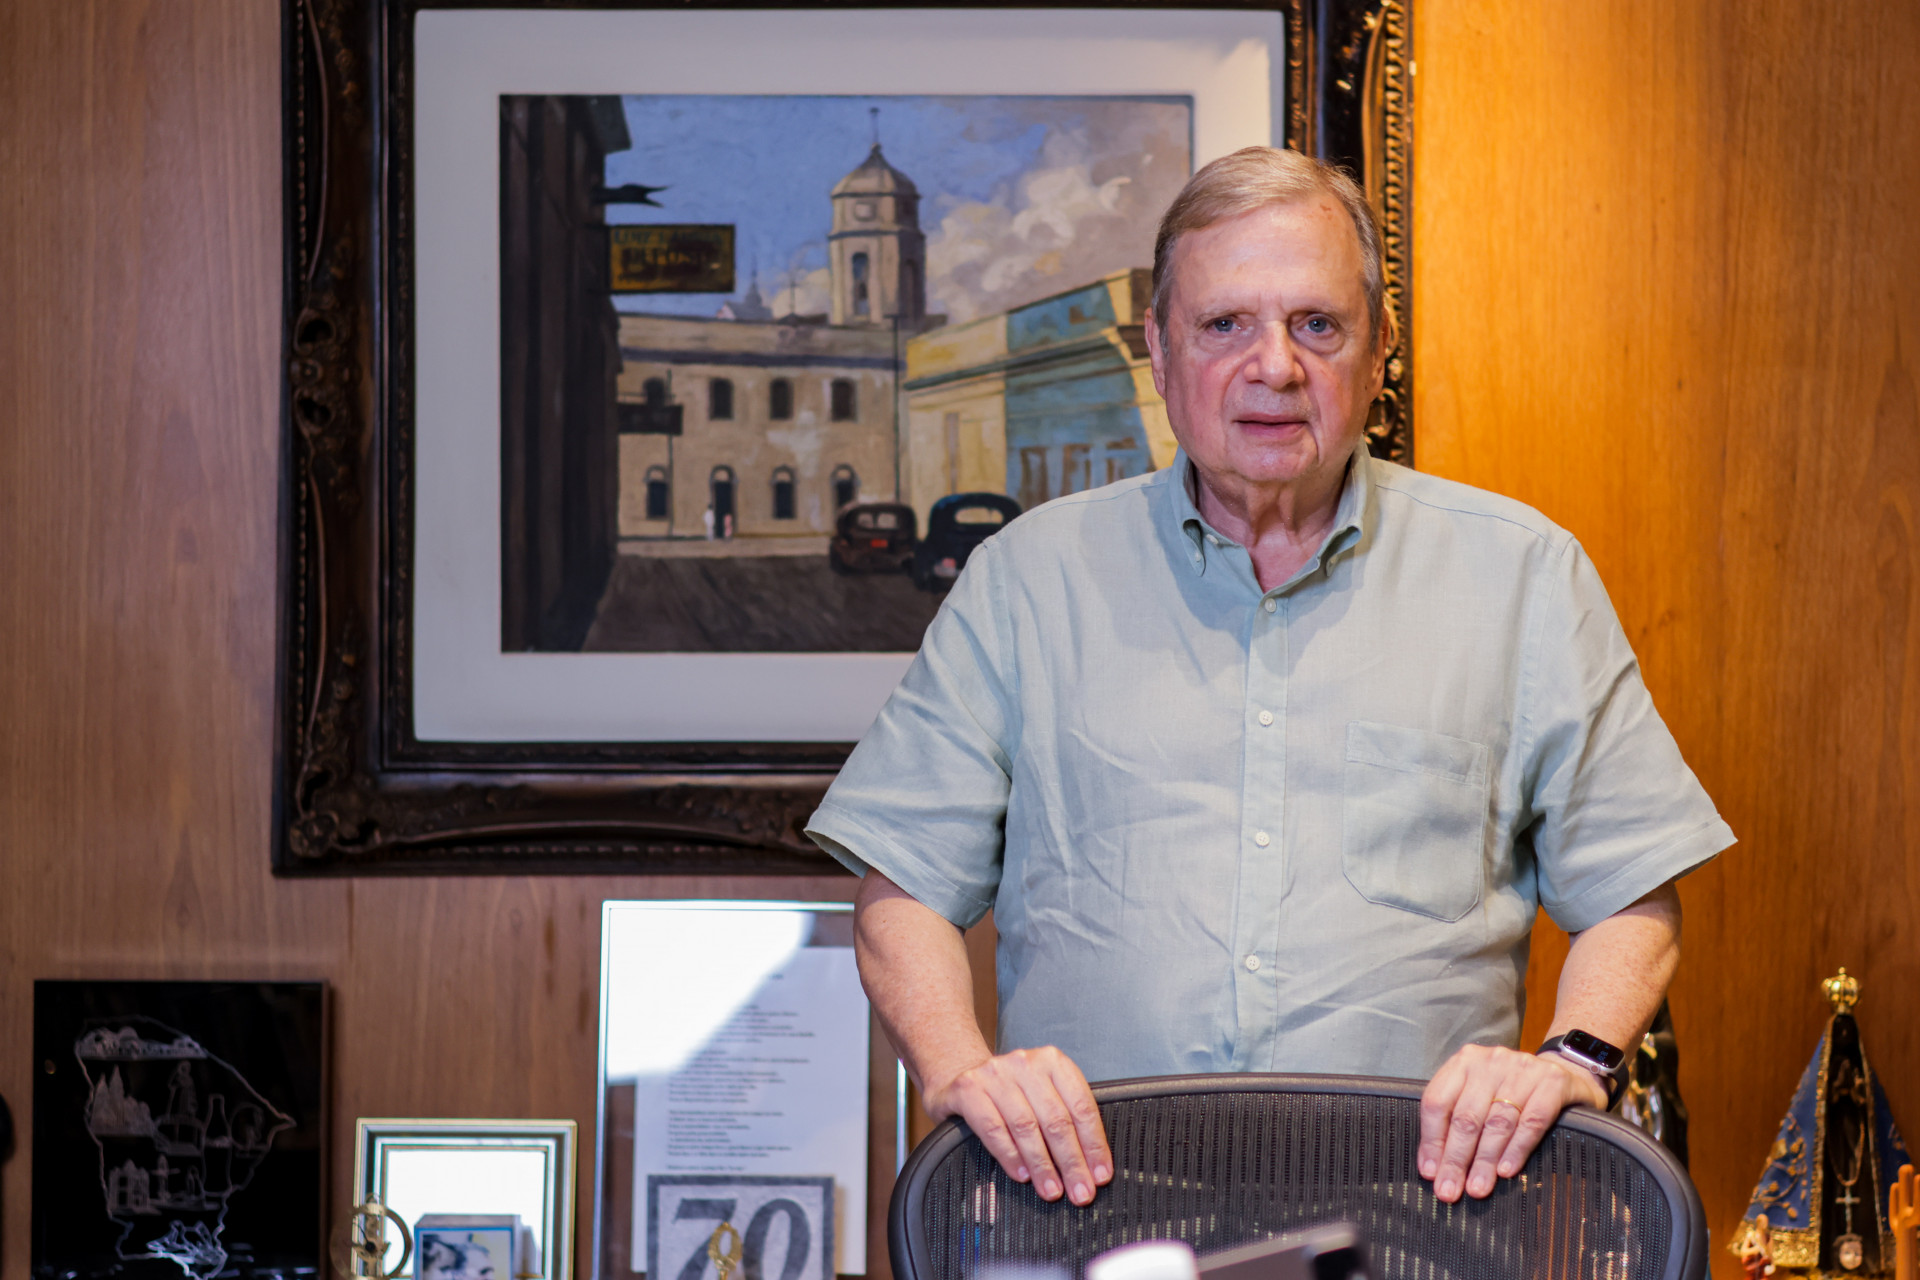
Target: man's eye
(1319,324)
(1224,324)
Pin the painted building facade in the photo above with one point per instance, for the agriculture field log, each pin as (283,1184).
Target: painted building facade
(745,434)
(877,253)
(1051,398)
(775,425)
(559,365)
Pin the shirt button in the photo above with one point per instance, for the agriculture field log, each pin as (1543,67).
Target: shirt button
(1272,604)
(1253,964)
(1262,839)
(1266,717)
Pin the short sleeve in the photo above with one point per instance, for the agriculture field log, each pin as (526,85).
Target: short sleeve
(1617,812)
(923,797)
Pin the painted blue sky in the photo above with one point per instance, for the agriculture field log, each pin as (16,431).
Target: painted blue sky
(1020,196)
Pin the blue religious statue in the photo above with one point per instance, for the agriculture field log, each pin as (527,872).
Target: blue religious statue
(1820,1208)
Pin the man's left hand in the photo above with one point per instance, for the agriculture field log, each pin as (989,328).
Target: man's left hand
(1487,1109)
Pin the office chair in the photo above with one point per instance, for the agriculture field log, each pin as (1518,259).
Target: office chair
(1218,1161)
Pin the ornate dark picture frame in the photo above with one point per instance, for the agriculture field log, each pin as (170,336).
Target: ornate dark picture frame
(356,791)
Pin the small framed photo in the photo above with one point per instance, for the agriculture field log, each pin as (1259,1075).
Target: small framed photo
(478,1246)
(783,1225)
(485,1171)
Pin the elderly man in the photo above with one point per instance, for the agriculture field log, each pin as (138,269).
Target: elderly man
(1265,761)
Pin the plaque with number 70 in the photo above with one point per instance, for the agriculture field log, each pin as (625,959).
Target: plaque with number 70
(721,1226)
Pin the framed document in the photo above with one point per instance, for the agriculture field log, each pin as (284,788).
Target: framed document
(736,1043)
(632,353)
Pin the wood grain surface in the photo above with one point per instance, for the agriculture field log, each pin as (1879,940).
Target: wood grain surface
(1669,293)
(1667,263)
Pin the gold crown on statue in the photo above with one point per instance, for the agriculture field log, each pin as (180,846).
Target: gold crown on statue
(1842,991)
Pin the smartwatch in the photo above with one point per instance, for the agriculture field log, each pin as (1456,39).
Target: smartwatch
(1606,1061)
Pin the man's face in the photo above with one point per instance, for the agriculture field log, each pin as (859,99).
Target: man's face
(1268,363)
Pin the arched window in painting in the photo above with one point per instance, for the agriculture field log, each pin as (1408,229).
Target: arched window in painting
(846,486)
(842,400)
(780,399)
(783,506)
(659,494)
(861,305)
(720,486)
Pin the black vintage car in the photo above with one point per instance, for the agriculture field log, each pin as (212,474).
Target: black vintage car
(957,524)
(873,537)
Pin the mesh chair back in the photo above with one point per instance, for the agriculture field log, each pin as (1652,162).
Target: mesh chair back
(1219,1161)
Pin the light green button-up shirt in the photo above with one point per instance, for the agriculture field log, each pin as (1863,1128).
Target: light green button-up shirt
(1305,829)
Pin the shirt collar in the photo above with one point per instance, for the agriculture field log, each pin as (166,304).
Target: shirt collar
(1351,517)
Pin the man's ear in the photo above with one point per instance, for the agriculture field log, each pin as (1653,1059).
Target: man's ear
(1157,352)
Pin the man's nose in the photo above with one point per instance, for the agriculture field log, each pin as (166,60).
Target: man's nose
(1275,360)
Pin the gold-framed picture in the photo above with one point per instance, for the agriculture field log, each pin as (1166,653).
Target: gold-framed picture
(422,1167)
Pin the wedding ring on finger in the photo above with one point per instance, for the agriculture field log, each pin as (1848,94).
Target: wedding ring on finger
(1509,1102)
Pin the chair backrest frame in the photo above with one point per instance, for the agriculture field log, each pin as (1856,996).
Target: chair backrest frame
(1686,1246)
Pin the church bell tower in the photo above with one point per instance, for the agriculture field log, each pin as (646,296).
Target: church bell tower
(876,252)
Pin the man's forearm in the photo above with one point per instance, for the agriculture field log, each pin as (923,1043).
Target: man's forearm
(913,963)
(1488,1106)
(1617,971)
(1031,1107)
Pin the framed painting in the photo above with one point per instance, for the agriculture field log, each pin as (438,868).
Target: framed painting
(652,372)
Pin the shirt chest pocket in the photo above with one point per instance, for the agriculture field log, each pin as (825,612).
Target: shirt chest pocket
(1413,819)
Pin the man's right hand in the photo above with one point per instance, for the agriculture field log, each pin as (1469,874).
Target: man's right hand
(1031,1107)
(1033,1110)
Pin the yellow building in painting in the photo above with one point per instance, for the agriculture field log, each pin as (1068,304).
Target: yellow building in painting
(1047,399)
(746,434)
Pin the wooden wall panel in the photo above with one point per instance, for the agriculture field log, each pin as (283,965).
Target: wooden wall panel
(1669,292)
(139,354)
(1666,292)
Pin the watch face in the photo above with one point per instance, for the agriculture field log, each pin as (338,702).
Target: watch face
(1592,1046)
